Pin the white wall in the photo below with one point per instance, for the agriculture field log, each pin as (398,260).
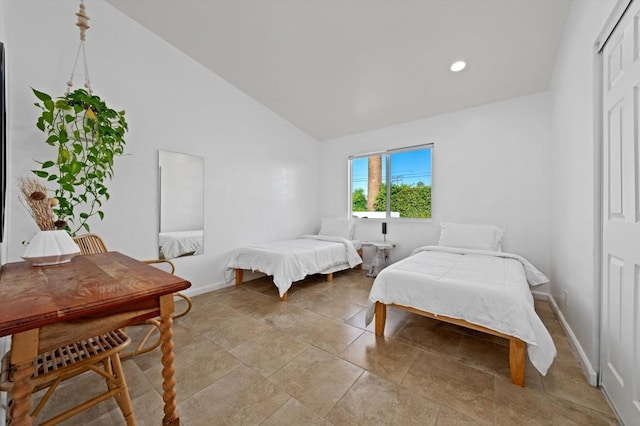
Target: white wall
(575,161)
(257,165)
(490,165)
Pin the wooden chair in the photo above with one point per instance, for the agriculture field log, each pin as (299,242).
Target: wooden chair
(99,354)
(90,244)
(93,244)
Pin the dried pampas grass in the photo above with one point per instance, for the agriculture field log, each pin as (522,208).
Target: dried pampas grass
(38,204)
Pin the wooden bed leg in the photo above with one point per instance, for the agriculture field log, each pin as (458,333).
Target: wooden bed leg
(329,278)
(381,318)
(283,298)
(239,276)
(517,357)
(359,266)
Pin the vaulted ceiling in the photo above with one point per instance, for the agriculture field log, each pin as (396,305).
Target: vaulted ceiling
(339,67)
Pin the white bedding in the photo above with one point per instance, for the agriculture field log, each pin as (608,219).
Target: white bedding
(487,288)
(292,260)
(178,243)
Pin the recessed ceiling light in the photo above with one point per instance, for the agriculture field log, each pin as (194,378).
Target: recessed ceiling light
(458,66)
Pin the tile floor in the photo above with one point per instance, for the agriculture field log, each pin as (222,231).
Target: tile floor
(245,358)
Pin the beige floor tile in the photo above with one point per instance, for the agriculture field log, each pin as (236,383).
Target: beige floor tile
(565,357)
(449,417)
(253,304)
(88,385)
(555,329)
(262,285)
(325,333)
(327,305)
(485,355)
(137,382)
(197,365)
(544,310)
(294,413)
(213,309)
(533,378)
(317,379)
(76,391)
(396,319)
(269,352)
(342,290)
(516,405)
(569,383)
(430,335)
(234,330)
(147,410)
(182,334)
(242,397)
(373,400)
(450,383)
(387,358)
(310,285)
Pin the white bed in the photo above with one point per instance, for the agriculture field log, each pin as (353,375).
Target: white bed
(487,290)
(181,243)
(292,260)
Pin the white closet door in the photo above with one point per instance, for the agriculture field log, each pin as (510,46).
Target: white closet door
(620,344)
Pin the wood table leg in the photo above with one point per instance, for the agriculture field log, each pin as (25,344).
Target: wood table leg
(24,349)
(517,358)
(168,370)
(381,318)
(239,276)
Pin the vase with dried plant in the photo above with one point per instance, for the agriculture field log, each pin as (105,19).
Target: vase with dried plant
(53,244)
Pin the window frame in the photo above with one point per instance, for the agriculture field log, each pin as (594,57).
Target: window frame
(386,154)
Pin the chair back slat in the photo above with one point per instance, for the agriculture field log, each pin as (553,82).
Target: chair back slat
(90,244)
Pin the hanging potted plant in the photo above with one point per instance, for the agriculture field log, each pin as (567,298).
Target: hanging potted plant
(87,135)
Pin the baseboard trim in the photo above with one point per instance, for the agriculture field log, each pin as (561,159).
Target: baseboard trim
(192,292)
(590,373)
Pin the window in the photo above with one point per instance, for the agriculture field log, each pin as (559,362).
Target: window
(391,184)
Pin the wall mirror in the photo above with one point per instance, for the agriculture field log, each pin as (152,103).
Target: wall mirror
(181,205)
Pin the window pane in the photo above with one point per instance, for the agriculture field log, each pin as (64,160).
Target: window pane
(411,183)
(368,196)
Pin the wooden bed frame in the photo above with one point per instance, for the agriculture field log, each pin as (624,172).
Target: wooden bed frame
(239,274)
(517,348)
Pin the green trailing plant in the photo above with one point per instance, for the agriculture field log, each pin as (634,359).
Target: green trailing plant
(87,135)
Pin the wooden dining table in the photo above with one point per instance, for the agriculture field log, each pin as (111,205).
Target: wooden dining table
(44,307)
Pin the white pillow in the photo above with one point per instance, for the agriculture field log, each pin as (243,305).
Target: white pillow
(342,228)
(471,236)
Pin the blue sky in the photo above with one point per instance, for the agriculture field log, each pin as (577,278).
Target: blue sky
(408,167)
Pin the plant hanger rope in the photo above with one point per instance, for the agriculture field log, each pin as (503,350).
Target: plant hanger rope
(83,25)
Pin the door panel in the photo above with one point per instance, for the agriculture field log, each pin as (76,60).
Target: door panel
(614,148)
(620,352)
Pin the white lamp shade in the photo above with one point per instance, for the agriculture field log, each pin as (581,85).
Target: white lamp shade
(51,248)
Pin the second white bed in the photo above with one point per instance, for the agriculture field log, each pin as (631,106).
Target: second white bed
(486,288)
(292,260)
